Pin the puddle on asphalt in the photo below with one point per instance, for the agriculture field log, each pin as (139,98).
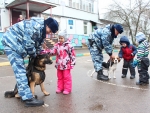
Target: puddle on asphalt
(97,107)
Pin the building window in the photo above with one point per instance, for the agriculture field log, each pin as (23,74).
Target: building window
(85,27)
(92,8)
(74,5)
(81,4)
(77,5)
(70,22)
(89,7)
(70,3)
(0,21)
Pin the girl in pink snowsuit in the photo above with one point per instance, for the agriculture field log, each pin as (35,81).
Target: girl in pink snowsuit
(65,61)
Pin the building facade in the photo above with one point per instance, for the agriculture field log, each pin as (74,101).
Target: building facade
(78,17)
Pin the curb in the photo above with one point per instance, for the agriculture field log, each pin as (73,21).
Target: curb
(52,58)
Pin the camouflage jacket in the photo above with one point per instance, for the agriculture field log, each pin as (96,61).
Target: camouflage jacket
(25,37)
(103,38)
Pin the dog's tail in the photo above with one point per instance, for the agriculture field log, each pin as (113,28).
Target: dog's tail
(10,94)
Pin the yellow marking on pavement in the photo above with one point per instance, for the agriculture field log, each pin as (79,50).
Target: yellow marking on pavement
(4,64)
(86,54)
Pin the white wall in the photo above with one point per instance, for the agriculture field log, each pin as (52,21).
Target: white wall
(63,24)
(76,28)
(5,21)
(96,6)
(79,27)
(89,28)
(65,10)
(70,12)
(71,29)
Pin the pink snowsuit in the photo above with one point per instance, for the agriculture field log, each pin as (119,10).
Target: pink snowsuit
(65,61)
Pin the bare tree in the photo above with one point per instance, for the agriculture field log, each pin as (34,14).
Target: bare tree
(145,25)
(130,16)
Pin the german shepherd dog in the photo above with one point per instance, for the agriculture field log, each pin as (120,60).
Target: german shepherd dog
(35,74)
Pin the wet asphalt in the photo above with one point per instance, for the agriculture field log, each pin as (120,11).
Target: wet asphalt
(88,94)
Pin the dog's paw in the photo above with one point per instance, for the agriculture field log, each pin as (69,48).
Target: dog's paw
(46,93)
(114,77)
(17,96)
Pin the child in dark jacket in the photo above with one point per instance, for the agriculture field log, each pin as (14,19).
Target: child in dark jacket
(127,52)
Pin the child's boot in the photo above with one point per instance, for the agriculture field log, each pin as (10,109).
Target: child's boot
(123,76)
(66,92)
(124,72)
(58,91)
(132,76)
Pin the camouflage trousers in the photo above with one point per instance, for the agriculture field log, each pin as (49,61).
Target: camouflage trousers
(97,56)
(18,65)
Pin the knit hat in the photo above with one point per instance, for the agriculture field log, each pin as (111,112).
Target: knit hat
(95,28)
(63,33)
(140,36)
(118,27)
(52,24)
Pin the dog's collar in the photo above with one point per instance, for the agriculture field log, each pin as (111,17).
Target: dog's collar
(41,73)
(110,63)
(39,68)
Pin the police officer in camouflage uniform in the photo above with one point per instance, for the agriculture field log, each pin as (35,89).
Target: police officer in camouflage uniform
(22,39)
(100,39)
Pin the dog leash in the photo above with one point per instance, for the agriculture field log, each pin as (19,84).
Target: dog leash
(109,63)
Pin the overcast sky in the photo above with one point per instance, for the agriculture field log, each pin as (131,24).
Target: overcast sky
(104,4)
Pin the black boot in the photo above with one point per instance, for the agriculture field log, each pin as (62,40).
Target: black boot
(142,83)
(33,102)
(100,76)
(123,76)
(139,83)
(132,76)
(10,94)
(147,82)
(124,72)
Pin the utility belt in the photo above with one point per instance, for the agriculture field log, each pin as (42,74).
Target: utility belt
(95,39)
(93,42)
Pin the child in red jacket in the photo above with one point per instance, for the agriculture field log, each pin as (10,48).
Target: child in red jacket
(127,52)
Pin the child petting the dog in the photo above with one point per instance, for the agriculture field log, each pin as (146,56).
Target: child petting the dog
(127,52)
(65,61)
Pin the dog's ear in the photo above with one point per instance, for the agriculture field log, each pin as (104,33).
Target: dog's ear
(113,59)
(118,59)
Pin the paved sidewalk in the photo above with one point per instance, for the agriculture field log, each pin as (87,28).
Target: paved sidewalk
(88,94)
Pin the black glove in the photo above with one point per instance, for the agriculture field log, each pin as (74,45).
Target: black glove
(110,54)
(90,42)
(33,55)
